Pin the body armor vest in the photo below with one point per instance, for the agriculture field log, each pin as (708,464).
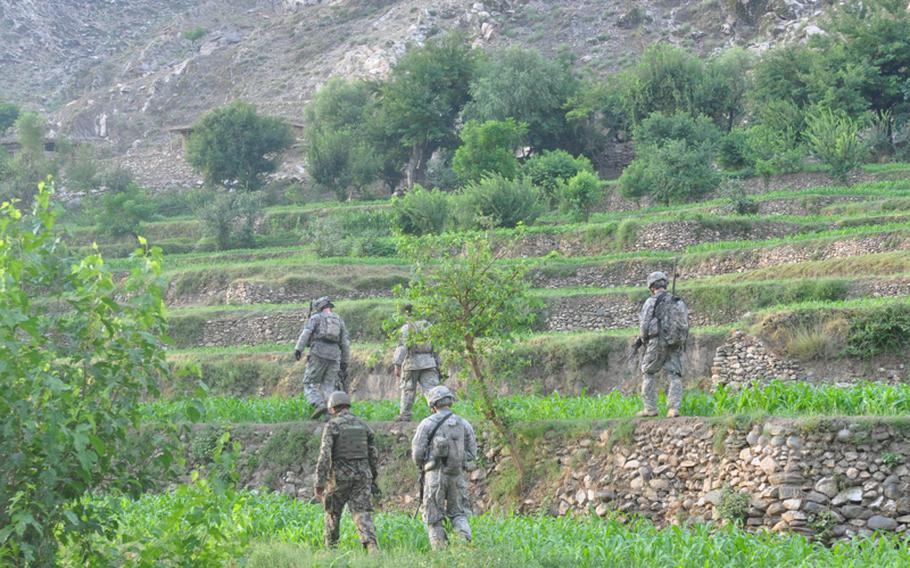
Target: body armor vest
(351,443)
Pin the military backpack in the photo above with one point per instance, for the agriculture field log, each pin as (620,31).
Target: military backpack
(673,320)
(329,328)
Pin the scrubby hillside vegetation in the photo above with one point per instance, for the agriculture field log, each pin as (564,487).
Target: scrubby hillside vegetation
(517,197)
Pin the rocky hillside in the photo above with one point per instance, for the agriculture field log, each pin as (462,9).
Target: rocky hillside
(123,72)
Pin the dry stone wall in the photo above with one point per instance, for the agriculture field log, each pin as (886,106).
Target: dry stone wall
(743,359)
(827,478)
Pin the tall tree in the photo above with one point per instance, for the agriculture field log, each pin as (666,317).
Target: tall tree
(424,95)
(234,144)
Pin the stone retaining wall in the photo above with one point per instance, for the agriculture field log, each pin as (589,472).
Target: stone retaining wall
(744,358)
(821,477)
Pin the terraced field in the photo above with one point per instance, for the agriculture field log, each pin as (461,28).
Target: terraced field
(801,315)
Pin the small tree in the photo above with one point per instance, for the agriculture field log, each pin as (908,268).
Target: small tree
(122,210)
(578,194)
(834,138)
(549,169)
(478,307)
(8,115)
(489,148)
(72,382)
(772,151)
(228,217)
(234,144)
(422,212)
(495,201)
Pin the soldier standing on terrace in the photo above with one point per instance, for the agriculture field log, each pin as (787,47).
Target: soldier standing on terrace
(663,330)
(347,472)
(416,363)
(330,351)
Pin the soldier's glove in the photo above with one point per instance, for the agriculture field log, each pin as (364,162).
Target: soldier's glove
(638,343)
(297,354)
(376,491)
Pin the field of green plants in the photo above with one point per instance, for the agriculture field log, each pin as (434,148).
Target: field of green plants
(272,531)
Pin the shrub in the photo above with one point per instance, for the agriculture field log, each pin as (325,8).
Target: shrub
(82,169)
(773,151)
(194,34)
(228,217)
(579,193)
(834,139)
(548,169)
(881,331)
(674,159)
(495,201)
(734,506)
(488,148)
(732,150)
(741,202)
(421,212)
(121,210)
(8,115)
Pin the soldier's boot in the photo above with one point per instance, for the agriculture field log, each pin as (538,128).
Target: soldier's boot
(672,413)
(437,534)
(371,547)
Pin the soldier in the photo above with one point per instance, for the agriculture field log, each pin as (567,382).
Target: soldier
(444,448)
(330,351)
(415,364)
(346,472)
(663,328)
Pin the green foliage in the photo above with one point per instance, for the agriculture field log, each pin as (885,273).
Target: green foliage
(72,381)
(234,144)
(740,201)
(284,532)
(489,148)
(773,151)
(674,162)
(732,150)
(8,115)
(495,201)
(425,93)
(549,169)
(81,172)
(421,212)
(734,506)
(228,216)
(524,85)
(122,212)
(343,151)
(578,194)
(365,232)
(834,138)
(195,34)
(878,332)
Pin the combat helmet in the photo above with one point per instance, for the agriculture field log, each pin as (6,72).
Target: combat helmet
(339,398)
(656,277)
(439,393)
(323,302)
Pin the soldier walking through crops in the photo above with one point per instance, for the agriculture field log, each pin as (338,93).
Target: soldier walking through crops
(330,350)
(663,331)
(444,447)
(416,363)
(346,472)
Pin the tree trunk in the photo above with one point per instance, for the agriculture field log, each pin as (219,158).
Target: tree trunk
(489,410)
(417,164)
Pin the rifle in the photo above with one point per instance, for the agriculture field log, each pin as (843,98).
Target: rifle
(675,274)
(426,458)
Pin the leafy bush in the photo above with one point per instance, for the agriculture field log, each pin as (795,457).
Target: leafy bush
(734,506)
(194,34)
(674,162)
(732,150)
(228,216)
(8,115)
(421,212)
(834,138)
(741,202)
(72,383)
(874,333)
(495,201)
(579,193)
(548,169)
(773,151)
(122,209)
(488,148)
(363,232)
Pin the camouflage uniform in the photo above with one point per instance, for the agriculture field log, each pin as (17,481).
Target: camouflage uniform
(445,490)
(418,365)
(658,355)
(326,358)
(347,469)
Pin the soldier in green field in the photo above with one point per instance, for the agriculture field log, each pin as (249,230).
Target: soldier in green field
(330,350)
(346,472)
(444,448)
(416,363)
(663,330)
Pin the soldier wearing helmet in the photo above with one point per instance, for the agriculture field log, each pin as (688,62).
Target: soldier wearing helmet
(326,364)
(416,363)
(663,329)
(444,448)
(346,472)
